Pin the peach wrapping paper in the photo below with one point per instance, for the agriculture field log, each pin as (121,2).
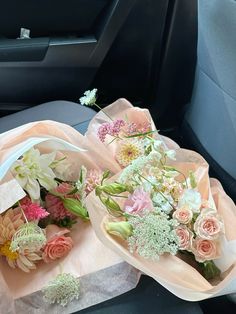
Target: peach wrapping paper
(170,271)
(89,259)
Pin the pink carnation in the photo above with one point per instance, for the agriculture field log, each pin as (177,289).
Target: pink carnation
(56,208)
(32,211)
(93,178)
(138,202)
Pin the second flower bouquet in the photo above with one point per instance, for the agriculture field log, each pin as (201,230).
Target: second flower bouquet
(162,213)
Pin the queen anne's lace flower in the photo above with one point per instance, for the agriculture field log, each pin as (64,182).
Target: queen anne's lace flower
(89,97)
(29,237)
(33,170)
(153,235)
(62,290)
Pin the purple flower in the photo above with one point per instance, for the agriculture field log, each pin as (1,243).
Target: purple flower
(103,130)
(112,129)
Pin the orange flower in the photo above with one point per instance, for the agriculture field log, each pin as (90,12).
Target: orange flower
(58,245)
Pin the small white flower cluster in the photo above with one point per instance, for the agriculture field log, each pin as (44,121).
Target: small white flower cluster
(62,290)
(89,97)
(153,235)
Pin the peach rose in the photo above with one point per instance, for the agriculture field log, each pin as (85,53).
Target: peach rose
(208,225)
(205,250)
(183,215)
(58,245)
(185,238)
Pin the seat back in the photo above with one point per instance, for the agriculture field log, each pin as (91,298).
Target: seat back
(211,116)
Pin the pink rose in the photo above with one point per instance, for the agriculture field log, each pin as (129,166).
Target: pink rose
(208,225)
(205,250)
(57,245)
(138,202)
(183,215)
(185,238)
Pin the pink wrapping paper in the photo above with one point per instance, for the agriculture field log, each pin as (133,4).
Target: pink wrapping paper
(89,258)
(173,273)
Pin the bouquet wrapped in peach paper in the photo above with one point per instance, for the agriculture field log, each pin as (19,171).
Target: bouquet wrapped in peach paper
(162,213)
(49,254)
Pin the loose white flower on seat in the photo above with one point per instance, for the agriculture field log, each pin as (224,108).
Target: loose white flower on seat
(33,170)
(62,290)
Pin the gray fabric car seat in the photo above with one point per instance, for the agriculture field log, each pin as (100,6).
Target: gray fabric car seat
(62,111)
(210,121)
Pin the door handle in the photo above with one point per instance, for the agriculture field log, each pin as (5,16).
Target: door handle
(33,49)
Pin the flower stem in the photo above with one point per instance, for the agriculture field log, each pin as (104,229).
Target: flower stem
(186,182)
(23,213)
(114,195)
(103,111)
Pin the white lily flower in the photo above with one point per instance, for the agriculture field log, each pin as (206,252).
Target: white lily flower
(89,97)
(33,170)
